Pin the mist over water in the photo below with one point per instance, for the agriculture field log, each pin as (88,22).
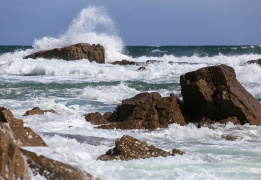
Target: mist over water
(75,88)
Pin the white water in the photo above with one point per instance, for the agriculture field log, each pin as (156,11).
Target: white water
(75,88)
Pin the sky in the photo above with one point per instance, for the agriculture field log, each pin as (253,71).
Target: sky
(139,22)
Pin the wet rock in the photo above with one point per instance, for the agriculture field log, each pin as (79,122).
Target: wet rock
(97,119)
(12,163)
(233,120)
(52,169)
(37,110)
(124,63)
(129,148)
(14,129)
(74,52)
(142,68)
(173,152)
(258,62)
(230,137)
(146,111)
(206,122)
(214,93)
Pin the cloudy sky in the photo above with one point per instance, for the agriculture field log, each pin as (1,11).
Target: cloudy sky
(139,22)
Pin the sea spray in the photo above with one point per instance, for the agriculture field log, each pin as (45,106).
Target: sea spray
(94,26)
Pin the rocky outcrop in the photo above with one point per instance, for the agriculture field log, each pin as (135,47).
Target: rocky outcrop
(146,111)
(97,119)
(214,93)
(12,163)
(14,129)
(37,110)
(74,52)
(52,169)
(258,61)
(129,148)
(126,62)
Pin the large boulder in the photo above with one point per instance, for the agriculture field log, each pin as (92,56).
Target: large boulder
(52,169)
(129,148)
(214,93)
(12,163)
(14,129)
(74,52)
(37,110)
(146,111)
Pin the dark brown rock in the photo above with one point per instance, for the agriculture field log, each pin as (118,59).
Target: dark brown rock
(124,63)
(52,169)
(233,120)
(14,129)
(146,111)
(258,61)
(97,119)
(214,93)
(142,68)
(173,152)
(12,163)
(37,110)
(206,122)
(129,148)
(74,52)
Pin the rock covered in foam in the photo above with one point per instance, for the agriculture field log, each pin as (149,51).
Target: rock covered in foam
(214,93)
(74,52)
(146,111)
(37,110)
(129,148)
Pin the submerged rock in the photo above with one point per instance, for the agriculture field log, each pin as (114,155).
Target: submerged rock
(258,62)
(146,111)
(37,110)
(74,52)
(129,148)
(14,129)
(52,169)
(214,93)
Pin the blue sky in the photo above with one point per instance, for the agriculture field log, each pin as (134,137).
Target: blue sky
(139,22)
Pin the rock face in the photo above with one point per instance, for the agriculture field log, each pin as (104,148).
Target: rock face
(52,169)
(74,52)
(214,93)
(146,111)
(129,148)
(258,61)
(37,110)
(12,163)
(14,129)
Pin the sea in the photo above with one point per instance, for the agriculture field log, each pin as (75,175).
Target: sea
(76,88)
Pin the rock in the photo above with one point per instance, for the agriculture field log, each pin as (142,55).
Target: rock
(124,63)
(12,163)
(129,148)
(146,111)
(233,120)
(258,62)
(37,110)
(52,169)
(142,68)
(97,119)
(14,129)
(173,152)
(214,93)
(74,52)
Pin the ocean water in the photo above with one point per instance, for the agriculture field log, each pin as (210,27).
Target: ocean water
(75,88)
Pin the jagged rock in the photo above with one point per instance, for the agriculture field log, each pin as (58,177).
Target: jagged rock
(37,110)
(97,119)
(52,169)
(146,111)
(129,148)
(12,163)
(74,52)
(124,63)
(14,129)
(258,61)
(214,93)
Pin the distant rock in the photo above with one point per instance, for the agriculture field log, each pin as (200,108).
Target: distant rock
(52,169)
(258,62)
(37,110)
(129,148)
(12,163)
(14,129)
(214,93)
(74,52)
(142,68)
(124,63)
(147,111)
